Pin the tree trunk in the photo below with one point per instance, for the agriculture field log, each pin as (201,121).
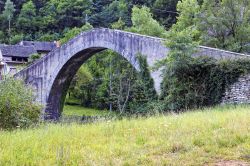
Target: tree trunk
(9,31)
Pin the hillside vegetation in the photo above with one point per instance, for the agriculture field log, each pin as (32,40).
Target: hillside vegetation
(192,138)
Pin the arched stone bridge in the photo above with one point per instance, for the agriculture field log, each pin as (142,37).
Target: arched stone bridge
(51,75)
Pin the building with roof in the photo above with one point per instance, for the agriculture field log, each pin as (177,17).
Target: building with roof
(13,57)
(40,47)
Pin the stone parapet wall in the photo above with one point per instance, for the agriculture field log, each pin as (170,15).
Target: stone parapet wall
(239,92)
(219,53)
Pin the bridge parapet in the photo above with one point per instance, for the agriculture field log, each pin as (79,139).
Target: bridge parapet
(220,54)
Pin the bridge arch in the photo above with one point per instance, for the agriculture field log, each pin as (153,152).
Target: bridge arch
(63,77)
(51,76)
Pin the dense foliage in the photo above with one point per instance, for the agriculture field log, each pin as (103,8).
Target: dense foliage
(194,82)
(143,23)
(33,58)
(222,24)
(50,19)
(17,108)
(114,85)
(197,82)
(200,82)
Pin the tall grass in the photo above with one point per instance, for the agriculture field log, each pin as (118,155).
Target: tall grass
(76,110)
(193,138)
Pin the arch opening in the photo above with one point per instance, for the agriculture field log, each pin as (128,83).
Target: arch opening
(61,84)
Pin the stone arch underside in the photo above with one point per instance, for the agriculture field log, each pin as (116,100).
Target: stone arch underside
(52,74)
(56,98)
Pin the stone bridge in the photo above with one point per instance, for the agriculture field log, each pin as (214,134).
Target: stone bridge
(51,75)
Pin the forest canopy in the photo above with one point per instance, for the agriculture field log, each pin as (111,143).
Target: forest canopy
(221,24)
(50,19)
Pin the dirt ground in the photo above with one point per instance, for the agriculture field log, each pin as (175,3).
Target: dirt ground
(229,163)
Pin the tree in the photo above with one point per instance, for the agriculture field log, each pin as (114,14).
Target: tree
(2,5)
(2,36)
(123,80)
(118,25)
(26,21)
(182,48)
(16,38)
(187,19)
(8,13)
(225,23)
(49,20)
(144,86)
(18,4)
(69,34)
(70,13)
(39,3)
(143,90)
(79,86)
(110,13)
(17,106)
(165,11)
(144,23)
(148,3)
(222,24)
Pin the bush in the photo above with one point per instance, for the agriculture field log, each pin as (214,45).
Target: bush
(16,39)
(69,34)
(147,109)
(193,82)
(17,108)
(199,82)
(33,58)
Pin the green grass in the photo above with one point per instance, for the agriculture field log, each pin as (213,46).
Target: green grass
(193,138)
(81,111)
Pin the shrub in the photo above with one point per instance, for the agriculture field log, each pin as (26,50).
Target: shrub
(33,58)
(192,82)
(17,108)
(199,82)
(149,108)
(69,34)
(16,39)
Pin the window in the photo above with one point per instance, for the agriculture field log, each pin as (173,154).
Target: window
(19,59)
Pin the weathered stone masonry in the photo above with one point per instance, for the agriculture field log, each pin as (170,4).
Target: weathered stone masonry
(239,92)
(51,76)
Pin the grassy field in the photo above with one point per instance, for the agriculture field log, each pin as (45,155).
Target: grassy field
(81,111)
(193,138)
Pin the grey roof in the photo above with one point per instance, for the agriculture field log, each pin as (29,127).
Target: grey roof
(26,48)
(17,50)
(39,46)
